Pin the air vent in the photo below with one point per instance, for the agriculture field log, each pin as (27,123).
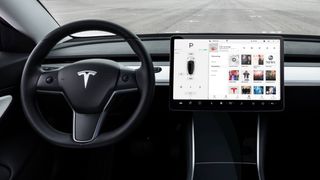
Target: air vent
(302,58)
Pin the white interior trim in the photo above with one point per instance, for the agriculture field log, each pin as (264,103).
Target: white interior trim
(5,101)
(293,76)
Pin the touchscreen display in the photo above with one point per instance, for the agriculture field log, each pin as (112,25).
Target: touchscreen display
(227,69)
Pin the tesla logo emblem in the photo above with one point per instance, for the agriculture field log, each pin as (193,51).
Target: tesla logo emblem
(86,74)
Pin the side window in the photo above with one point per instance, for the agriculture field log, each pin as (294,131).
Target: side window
(12,40)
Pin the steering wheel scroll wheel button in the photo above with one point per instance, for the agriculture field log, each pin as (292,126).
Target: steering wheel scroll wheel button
(48,82)
(125,77)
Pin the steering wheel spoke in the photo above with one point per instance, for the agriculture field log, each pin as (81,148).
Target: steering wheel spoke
(48,82)
(86,127)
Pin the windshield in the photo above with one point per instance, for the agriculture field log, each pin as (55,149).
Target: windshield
(197,16)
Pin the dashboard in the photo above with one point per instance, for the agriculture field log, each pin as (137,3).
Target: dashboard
(301,63)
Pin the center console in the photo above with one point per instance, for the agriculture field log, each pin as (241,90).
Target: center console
(226,81)
(223,146)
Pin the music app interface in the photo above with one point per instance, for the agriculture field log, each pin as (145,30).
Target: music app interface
(226,69)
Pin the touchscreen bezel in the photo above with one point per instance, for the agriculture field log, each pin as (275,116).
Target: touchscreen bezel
(227,105)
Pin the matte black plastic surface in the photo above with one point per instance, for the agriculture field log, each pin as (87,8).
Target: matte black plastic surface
(85,126)
(4,173)
(226,172)
(224,146)
(225,137)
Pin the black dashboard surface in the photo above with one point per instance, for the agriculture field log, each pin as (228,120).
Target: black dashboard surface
(159,48)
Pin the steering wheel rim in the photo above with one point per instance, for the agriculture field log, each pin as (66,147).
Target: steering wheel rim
(32,74)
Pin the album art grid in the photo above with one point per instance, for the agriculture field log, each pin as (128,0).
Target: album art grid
(250,68)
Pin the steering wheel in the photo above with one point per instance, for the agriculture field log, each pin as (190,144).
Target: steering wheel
(89,86)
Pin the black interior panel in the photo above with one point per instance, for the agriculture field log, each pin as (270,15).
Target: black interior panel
(14,41)
(11,66)
(4,173)
(226,171)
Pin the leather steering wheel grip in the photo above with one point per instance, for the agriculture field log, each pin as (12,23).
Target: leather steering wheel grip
(32,71)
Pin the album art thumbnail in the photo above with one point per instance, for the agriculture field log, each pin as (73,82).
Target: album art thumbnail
(234,61)
(271,90)
(270,75)
(234,90)
(233,75)
(246,75)
(213,47)
(246,90)
(258,75)
(258,59)
(270,57)
(258,90)
(246,59)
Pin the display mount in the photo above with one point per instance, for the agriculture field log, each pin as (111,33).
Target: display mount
(227,73)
